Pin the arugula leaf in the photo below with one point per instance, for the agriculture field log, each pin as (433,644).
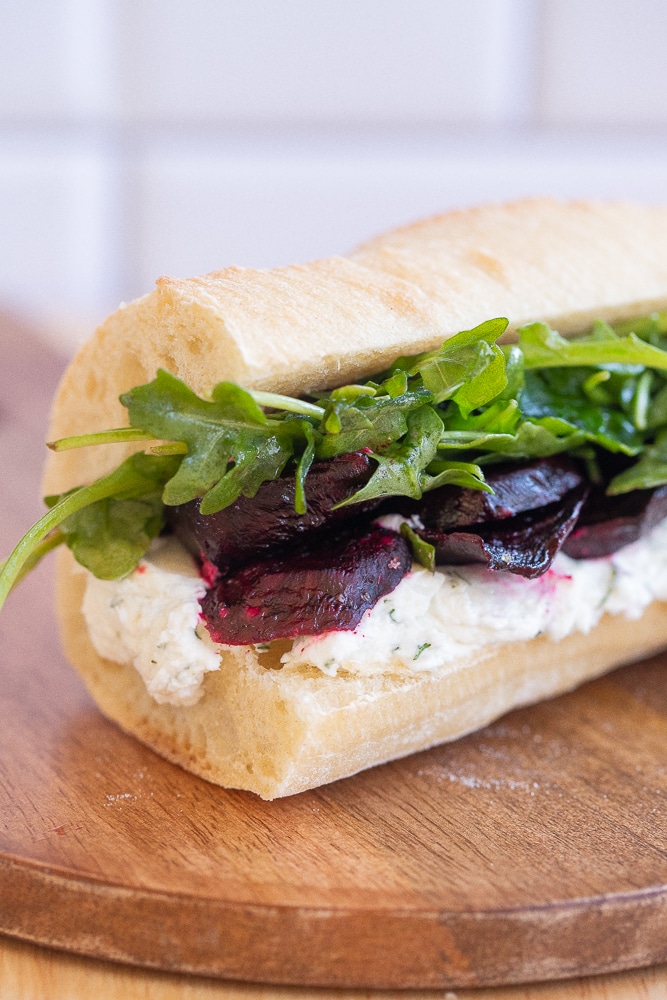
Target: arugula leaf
(448,473)
(401,465)
(648,472)
(395,385)
(538,438)
(469,367)
(252,465)
(423,552)
(543,347)
(502,431)
(228,436)
(137,478)
(367,422)
(651,328)
(499,417)
(110,535)
(561,391)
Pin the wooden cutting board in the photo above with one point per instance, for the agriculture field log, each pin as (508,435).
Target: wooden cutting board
(536,849)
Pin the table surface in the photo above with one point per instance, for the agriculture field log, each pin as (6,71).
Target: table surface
(28,972)
(28,373)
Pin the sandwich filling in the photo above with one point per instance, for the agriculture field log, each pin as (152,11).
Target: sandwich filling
(477,494)
(430,621)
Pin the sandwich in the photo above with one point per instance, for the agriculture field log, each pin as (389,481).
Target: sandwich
(313,519)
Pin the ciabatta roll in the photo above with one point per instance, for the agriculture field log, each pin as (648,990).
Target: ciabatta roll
(276,726)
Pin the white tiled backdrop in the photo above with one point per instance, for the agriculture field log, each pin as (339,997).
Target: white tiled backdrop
(142,137)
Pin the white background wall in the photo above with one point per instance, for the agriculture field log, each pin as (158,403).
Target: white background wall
(141,137)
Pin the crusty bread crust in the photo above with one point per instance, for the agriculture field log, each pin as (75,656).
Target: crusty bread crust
(326,323)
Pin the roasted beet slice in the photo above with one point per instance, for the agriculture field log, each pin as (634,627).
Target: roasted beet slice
(307,592)
(606,524)
(525,544)
(517,488)
(253,527)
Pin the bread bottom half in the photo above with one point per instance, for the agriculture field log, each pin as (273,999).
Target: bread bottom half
(276,732)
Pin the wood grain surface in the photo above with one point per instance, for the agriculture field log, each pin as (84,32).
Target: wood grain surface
(28,972)
(533,850)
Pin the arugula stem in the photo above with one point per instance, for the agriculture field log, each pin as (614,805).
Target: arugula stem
(170,448)
(277,402)
(52,541)
(642,400)
(116,436)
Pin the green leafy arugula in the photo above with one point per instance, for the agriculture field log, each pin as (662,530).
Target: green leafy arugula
(423,552)
(109,524)
(110,535)
(232,446)
(434,419)
(543,347)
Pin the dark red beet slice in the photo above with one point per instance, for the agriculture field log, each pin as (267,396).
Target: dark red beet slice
(307,592)
(256,526)
(606,524)
(517,488)
(526,544)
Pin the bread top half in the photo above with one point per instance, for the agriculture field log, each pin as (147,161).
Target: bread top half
(332,321)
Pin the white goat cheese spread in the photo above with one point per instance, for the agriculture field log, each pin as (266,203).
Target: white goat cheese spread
(152,618)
